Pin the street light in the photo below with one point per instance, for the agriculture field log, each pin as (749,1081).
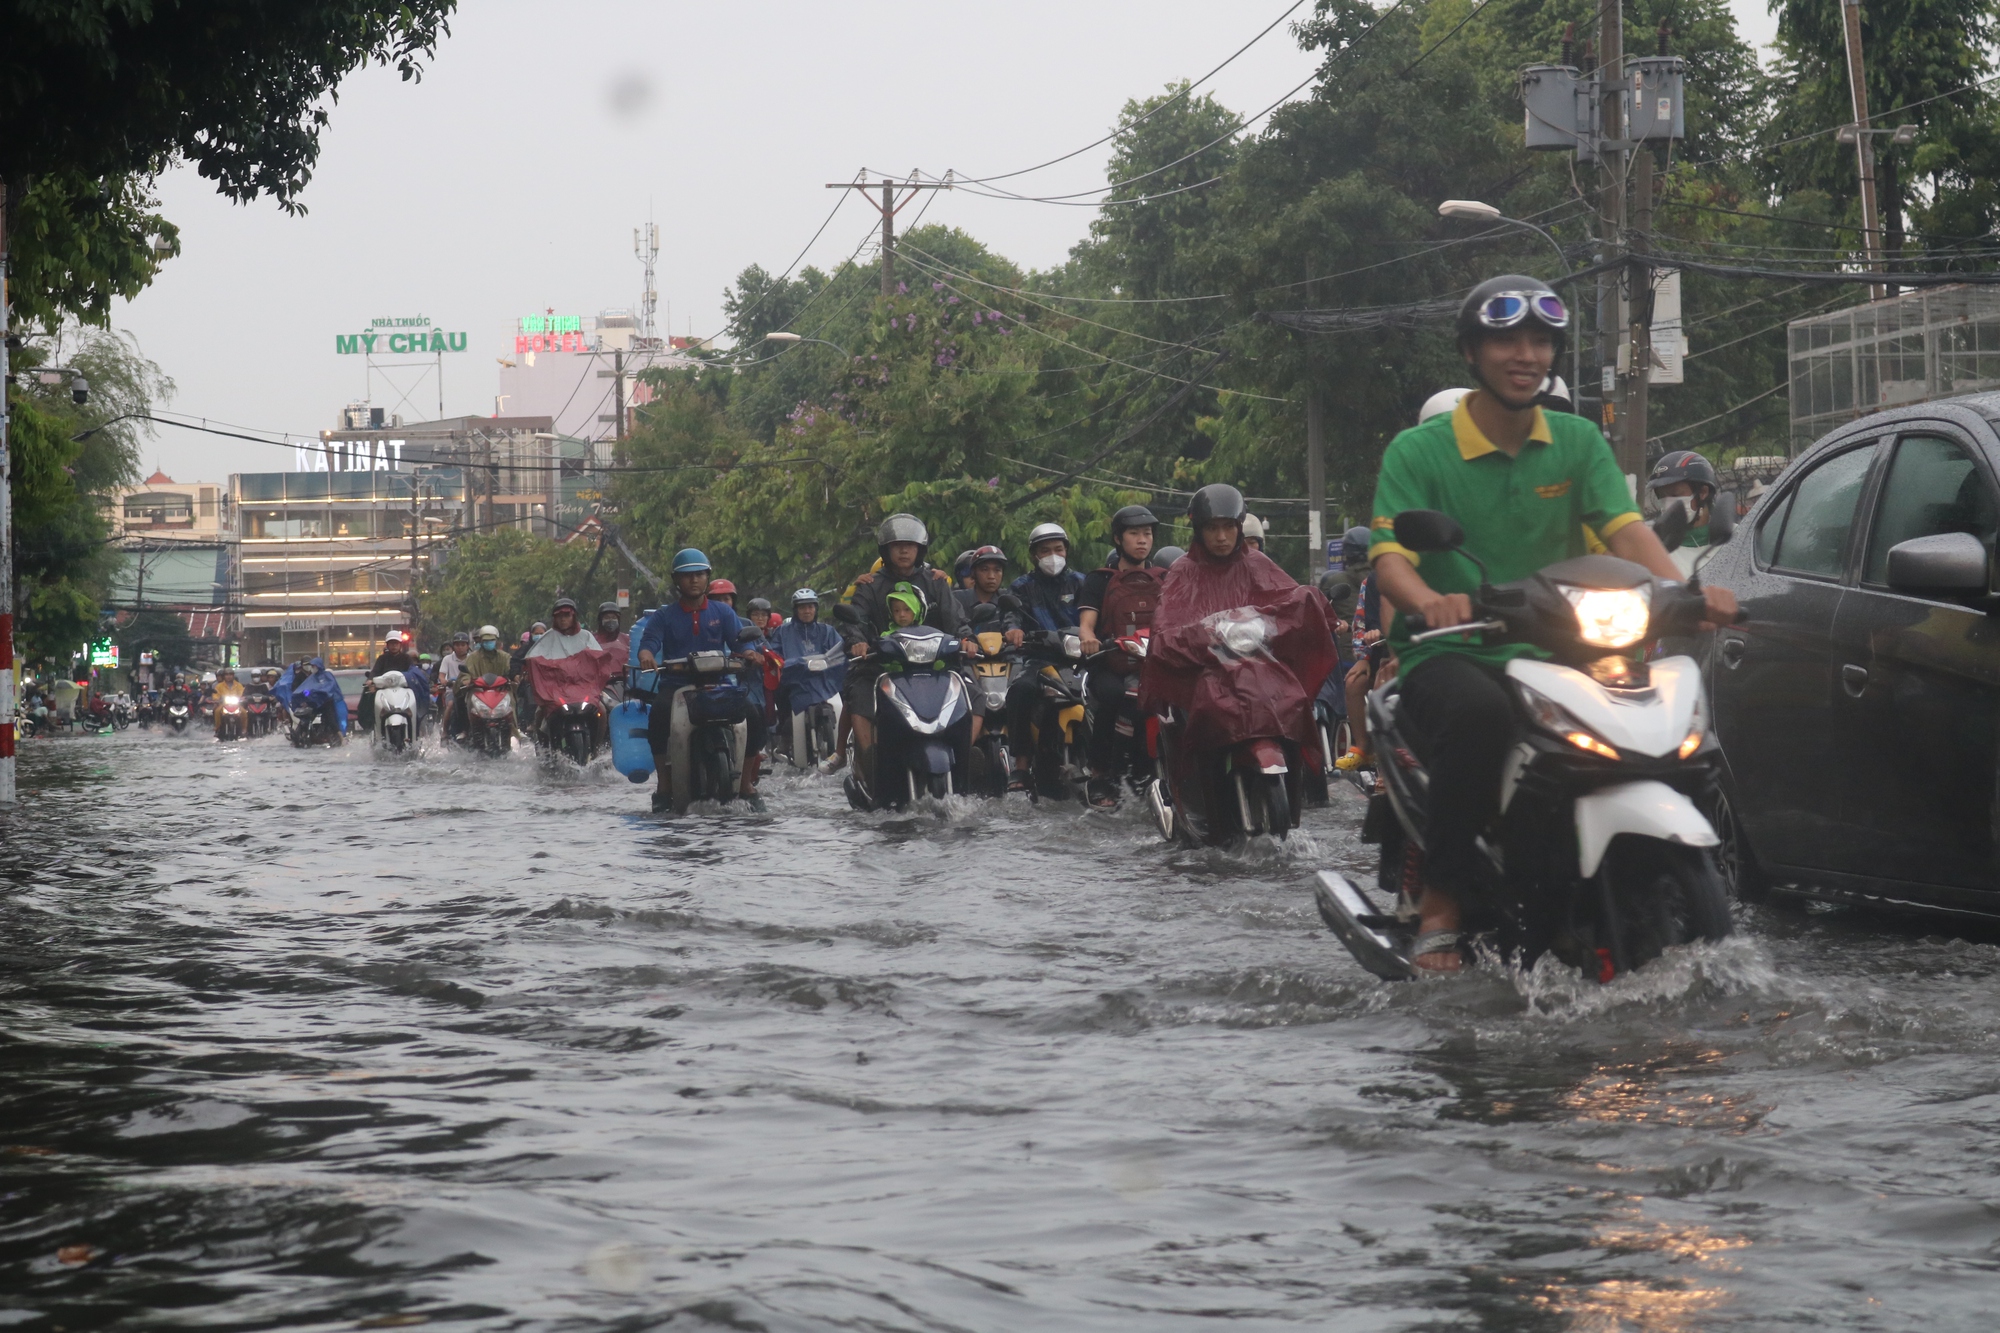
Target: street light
(1480,211)
(789,338)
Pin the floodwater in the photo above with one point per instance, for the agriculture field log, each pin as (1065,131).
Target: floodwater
(317,1040)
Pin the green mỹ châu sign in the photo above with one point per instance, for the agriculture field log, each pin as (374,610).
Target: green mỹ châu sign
(418,341)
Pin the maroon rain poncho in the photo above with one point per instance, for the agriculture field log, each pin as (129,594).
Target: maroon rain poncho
(1225,698)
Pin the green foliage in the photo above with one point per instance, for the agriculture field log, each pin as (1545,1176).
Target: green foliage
(98,97)
(507,578)
(111,88)
(63,556)
(162,633)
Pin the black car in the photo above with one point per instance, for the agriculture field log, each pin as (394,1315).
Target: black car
(1858,707)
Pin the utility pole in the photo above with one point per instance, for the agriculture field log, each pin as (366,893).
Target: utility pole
(1611,226)
(888,209)
(1864,148)
(6,533)
(1315,469)
(1639,300)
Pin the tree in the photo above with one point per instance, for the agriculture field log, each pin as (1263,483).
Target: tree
(507,578)
(64,557)
(162,633)
(99,96)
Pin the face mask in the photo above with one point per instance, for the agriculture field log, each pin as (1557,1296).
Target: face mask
(1051,565)
(489,644)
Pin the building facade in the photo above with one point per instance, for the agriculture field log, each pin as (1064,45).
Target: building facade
(326,559)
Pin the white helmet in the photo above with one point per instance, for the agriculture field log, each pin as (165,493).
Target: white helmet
(208,678)
(1444,400)
(1253,527)
(488,632)
(1047,532)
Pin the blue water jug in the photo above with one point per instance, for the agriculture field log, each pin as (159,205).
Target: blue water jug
(631,750)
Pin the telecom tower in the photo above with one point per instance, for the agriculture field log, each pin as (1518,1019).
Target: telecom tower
(646,245)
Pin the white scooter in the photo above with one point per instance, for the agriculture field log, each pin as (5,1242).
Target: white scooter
(395,713)
(1601,855)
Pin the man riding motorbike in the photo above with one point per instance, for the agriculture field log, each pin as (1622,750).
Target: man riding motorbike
(1522,483)
(722,590)
(1686,476)
(1048,593)
(902,541)
(487,659)
(987,573)
(1253,532)
(695,622)
(1131,584)
(395,656)
(1222,696)
(804,635)
(226,684)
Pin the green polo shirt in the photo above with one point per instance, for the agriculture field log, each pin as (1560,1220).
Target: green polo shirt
(1520,514)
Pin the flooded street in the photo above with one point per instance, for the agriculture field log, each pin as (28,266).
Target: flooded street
(315,1040)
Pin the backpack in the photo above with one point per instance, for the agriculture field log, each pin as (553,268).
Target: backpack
(1129,600)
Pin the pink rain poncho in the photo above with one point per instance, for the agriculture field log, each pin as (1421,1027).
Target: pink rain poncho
(1227,698)
(570,668)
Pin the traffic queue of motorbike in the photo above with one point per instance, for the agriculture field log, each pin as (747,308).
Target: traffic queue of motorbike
(1534,752)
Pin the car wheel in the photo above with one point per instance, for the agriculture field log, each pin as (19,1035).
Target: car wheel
(1734,858)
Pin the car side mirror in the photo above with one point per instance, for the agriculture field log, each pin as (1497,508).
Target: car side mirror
(985,613)
(1428,530)
(1007,601)
(1944,562)
(1671,527)
(845,613)
(1722,518)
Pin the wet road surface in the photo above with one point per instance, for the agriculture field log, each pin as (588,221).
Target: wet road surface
(316,1040)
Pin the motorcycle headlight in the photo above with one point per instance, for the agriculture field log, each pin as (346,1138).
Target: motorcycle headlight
(1554,717)
(1697,730)
(1072,645)
(920,651)
(232,699)
(1611,617)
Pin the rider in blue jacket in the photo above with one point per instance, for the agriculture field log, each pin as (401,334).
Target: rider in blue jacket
(694,624)
(1048,593)
(805,635)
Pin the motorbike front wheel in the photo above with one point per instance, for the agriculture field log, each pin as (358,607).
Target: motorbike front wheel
(1277,805)
(1659,895)
(577,746)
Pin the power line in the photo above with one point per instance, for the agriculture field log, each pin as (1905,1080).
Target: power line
(1384,17)
(1727,411)
(1127,128)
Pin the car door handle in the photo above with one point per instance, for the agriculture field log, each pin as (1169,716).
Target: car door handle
(1732,653)
(1854,679)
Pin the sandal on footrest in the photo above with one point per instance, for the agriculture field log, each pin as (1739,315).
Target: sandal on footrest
(1433,941)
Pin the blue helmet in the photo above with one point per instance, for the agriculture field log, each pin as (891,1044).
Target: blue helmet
(690,561)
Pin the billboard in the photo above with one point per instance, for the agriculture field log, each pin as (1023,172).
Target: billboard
(398,336)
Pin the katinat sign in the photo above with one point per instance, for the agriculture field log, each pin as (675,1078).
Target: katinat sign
(404,336)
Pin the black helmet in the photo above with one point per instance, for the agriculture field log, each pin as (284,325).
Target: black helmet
(608,608)
(1354,546)
(1165,556)
(1217,501)
(1682,465)
(1511,301)
(561,602)
(759,604)
(986,553)
(1131,516)
(903,528)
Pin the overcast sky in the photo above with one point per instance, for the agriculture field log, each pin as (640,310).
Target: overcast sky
(509,181)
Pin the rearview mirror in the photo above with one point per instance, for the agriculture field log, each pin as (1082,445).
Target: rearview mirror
(845,613)
(1944,562)
(1007,601)
(1722,518)
(1428,530)
(985,613)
